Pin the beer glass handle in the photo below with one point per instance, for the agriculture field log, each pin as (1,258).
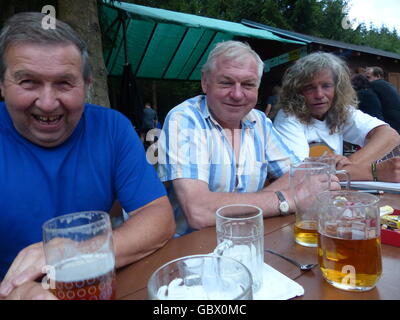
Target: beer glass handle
(219,249)
(347,177)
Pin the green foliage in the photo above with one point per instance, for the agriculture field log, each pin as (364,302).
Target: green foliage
(321,18)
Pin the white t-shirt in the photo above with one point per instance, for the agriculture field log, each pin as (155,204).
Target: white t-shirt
(299,136)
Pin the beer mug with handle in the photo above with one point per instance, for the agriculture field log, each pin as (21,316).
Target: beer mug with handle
(201,277)
(240,235)
(307,179)
(330,160)
(80,257)
(349,247)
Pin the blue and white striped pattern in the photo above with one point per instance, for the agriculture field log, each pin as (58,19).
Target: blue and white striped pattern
(193,145)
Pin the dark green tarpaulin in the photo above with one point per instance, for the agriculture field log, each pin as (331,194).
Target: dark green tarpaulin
(163,44)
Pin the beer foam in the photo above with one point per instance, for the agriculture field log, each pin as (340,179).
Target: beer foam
(177,290)
(84,267)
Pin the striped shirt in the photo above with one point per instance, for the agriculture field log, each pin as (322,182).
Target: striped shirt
(193,145)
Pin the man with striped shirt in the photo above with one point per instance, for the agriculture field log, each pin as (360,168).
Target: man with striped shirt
(216,149)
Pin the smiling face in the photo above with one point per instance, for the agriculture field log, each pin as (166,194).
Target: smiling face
(320,93)
(232,90)
(44,91)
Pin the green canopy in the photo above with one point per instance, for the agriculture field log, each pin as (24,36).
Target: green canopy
(163,44)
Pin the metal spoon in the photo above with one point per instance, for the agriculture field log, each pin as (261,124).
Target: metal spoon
(303,267)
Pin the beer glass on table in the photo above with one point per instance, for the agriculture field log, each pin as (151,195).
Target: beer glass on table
(349,246)
(240,235)
(306,180)
(201,277)
(80,256)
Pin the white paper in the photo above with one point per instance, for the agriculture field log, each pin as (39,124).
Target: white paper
(277,286)
(375,185)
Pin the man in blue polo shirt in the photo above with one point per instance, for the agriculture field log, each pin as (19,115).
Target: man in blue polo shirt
(60,155)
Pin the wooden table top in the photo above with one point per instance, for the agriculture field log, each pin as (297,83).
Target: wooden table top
(278,236)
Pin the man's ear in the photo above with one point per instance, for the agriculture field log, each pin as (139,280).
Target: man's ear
(89,82)
(88,87)
(204,82)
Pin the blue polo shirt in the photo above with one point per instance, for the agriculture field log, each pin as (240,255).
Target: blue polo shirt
(103,160)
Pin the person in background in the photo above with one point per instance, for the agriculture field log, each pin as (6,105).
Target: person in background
(216,149)
(318,106)
(149,122)
(271,110)
(61,155)
(368,101)
(387,94)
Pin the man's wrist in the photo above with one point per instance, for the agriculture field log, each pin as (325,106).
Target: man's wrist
(374,171)
(283,204)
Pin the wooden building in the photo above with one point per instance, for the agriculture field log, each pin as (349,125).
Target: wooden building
(357,57)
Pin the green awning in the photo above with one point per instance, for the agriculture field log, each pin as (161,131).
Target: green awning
(163,44)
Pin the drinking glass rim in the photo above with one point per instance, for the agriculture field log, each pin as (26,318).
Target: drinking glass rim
(210,255)
(319,165)
(47,228)
(260,212)
(373,199)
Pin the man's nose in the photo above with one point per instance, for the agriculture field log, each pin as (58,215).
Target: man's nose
(237,91)
(319,92)
(47,99)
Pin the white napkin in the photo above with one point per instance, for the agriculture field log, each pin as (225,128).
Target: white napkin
(277,286)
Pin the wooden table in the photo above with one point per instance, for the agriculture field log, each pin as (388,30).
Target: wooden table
(278,231)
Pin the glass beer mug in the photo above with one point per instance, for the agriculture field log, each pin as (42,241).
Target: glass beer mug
(331,162)
(80,256)
(201,277)
(349,247)
(240,235)
(306,180)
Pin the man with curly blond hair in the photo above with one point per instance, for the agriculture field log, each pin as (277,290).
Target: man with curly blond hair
(319,107)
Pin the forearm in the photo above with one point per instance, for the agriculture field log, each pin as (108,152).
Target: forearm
(147,229)
(201,208)
(380,141)
(359,171)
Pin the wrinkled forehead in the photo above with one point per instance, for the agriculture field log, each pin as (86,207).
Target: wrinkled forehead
(244,65)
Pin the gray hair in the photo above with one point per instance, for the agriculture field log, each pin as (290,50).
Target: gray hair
(26,27)
(234,50)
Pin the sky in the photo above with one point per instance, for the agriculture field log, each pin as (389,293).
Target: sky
(378,12)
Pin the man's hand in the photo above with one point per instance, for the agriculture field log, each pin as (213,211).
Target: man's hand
(389,170)
(27,266)
(30,290)
(341,161)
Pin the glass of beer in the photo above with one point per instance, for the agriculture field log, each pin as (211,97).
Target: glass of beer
(80,257)
(349,247)
(307,179)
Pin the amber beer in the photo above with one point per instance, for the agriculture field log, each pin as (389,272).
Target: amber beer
(305,233)
(85,277)
(348,264)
